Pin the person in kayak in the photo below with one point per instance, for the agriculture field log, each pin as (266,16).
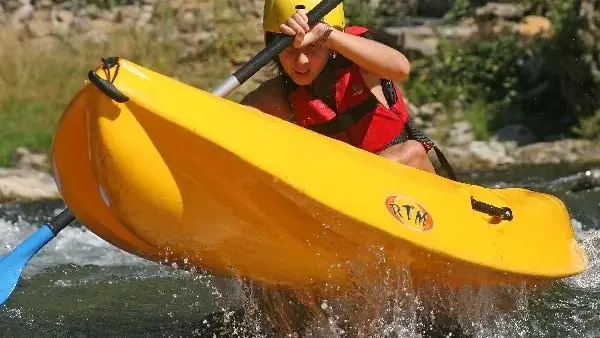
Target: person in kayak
(338,81)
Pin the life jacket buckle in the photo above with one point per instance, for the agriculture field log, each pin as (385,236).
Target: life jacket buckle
(345,121)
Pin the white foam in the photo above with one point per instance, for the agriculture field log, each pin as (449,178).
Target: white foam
(590,242)
(73,245)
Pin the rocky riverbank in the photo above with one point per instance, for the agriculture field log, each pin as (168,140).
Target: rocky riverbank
(511,145)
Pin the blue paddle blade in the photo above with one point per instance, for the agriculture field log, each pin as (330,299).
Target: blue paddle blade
(12,264)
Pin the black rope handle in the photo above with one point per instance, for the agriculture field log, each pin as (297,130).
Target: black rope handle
(107,86)
(504,213)
(418,135)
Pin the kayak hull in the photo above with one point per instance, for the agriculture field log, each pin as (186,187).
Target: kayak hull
(179,176)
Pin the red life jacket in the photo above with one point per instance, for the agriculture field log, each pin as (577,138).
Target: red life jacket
(358,118)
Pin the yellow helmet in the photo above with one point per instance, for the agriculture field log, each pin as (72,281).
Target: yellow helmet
(276,12)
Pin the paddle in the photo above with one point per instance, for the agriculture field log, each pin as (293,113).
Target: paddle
(13,263)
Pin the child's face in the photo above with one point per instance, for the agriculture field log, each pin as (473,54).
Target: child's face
(303,65)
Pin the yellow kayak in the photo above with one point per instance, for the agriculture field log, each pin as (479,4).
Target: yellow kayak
(175,174)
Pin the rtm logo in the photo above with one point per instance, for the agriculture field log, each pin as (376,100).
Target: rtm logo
(409,212)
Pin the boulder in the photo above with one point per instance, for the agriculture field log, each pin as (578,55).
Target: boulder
(430,110)
(490,153)
(562,151)
(27,159)
(500,10)
(460,134)
(26,184)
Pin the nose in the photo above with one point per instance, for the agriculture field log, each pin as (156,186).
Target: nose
(302,60)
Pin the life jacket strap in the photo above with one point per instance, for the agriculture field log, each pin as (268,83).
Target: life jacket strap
(342,122)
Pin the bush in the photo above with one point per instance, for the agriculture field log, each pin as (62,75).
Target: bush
(362,13)
(541,83)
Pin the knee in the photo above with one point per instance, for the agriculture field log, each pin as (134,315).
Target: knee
(414,152)
(407,152)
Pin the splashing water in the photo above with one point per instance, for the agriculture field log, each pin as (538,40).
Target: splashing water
(394,308)
(73,245)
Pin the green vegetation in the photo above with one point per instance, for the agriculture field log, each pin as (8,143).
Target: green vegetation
(36,84)
(539,82)
(360,12)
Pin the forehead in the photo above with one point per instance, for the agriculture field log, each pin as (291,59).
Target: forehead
(305,50)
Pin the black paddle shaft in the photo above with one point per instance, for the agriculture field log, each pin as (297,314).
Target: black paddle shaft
(61,221)
(281,42)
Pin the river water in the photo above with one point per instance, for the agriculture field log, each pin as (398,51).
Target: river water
(80,286)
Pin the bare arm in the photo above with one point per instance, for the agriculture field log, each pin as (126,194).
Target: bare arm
(374,57)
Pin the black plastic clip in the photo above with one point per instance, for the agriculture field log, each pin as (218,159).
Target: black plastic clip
(106,86)
(504,213)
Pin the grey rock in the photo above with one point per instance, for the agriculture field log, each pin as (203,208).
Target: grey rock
(491,153)
(561,151)
(22,14)
(26,184)
(39,28)
(418,121)
(502,10)
(420,39)
(186,21)
(145,16)
(26,159)
(94,12)
(461,133)
(44,4)
(12,5)
(429,110)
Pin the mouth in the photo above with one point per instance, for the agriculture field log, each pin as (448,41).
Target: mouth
(302,72)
